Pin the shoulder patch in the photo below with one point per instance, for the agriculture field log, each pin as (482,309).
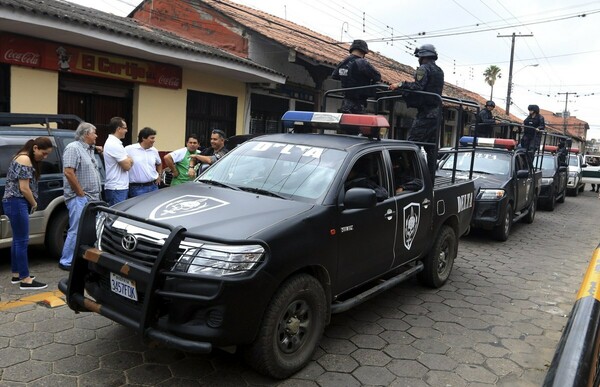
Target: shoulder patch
(420,74)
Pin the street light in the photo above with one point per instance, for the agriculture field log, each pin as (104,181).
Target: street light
(510,75)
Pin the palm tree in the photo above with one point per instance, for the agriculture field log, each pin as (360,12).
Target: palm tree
(491,74)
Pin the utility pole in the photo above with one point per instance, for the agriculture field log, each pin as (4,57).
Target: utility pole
(565,111)
(512,55)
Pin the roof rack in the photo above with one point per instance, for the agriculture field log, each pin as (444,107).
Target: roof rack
(8,119)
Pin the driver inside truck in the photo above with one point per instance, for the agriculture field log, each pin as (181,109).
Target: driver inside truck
(361,176)
(404,176)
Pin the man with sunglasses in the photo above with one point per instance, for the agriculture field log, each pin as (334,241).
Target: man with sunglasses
(215,152)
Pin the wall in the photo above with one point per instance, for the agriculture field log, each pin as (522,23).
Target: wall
(33,91)
(165,110)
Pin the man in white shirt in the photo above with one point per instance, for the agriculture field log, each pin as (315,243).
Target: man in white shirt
(116,162)
(144,176)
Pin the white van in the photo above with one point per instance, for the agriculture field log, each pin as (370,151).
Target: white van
(591,173)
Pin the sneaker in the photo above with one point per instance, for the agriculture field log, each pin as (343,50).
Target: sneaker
(16,280)
(34,285)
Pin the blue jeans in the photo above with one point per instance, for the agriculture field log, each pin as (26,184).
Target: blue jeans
(114,196)
(75,207)
(140,190)
(17,210)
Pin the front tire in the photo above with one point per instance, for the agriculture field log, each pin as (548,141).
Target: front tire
(56,232)
(502,231)
(291,329)
(438,263)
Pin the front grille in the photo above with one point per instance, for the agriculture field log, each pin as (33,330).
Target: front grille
(145,252)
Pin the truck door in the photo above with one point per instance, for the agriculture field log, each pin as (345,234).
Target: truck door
(414,205)
(366,236)
(523,186)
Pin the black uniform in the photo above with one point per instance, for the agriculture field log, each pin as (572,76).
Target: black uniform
(485,120)
(429,77)
(562,154)
(531,138)
(355,71)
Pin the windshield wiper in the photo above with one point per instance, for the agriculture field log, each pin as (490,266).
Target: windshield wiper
(218,184)
(484,172)
(262,191)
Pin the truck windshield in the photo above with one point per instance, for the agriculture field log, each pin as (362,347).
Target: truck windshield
(493,163)
(573,162)
(291,171)
(547,162)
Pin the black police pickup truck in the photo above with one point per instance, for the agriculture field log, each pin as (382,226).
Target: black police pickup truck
(554,178)
(267,243)
(506,185)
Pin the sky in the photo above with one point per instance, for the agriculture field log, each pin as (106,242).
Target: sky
(554,68)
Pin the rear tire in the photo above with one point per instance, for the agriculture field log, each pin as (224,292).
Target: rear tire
(56,232)
(291,328)
(502,231)
(438,263)
(551,203)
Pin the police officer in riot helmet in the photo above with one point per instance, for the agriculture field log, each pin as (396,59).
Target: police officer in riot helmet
(430,78)
(486,120)
(533,124)
(355,71)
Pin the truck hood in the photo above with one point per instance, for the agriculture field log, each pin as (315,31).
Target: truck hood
(212,211)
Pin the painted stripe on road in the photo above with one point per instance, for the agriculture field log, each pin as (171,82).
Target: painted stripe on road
(590,287)
(50,299)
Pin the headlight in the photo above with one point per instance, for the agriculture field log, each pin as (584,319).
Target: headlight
(220,260)
(100,220)
(572,174)
(547,181)
(491,194)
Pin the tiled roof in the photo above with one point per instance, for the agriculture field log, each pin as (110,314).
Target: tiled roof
(325,50)
(556,124)
(108,23)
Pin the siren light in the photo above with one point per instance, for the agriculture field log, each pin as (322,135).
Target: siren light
(365,124)
(486,142)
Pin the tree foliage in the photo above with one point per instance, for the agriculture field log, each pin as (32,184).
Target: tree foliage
(491,74)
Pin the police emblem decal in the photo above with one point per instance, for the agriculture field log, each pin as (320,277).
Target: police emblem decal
(412,214)
(186,205)
(129,242)
(420,74)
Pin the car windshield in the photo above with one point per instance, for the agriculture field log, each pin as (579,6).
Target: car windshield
(547,162)
(289,171)
(493,163)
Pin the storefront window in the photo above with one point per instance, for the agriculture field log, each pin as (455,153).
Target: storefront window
(4,88)
(207,111)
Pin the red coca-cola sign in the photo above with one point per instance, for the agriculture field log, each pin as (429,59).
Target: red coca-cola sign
(29,52)
(172,82)
(22,57)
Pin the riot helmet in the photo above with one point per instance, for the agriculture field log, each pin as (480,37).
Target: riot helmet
(359,45)
(490,103)
(426,51)
(534,108)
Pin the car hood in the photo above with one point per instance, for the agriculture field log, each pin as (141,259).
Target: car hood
(212,211)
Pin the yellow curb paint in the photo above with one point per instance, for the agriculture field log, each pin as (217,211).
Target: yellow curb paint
(590,287)
(48,298)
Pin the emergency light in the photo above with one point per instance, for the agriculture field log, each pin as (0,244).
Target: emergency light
(574,150)
(550,148)
(372,126)
(486,142)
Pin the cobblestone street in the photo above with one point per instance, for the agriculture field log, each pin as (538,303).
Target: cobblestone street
(496,322)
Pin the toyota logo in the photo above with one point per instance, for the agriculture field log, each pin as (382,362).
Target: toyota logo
(129,242)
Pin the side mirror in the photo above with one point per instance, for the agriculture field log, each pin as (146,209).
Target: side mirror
(522,174)
(583,165)
(360,198)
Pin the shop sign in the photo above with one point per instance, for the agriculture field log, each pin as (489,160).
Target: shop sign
(29,52)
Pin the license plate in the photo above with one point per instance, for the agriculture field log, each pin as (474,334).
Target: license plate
(123,286)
